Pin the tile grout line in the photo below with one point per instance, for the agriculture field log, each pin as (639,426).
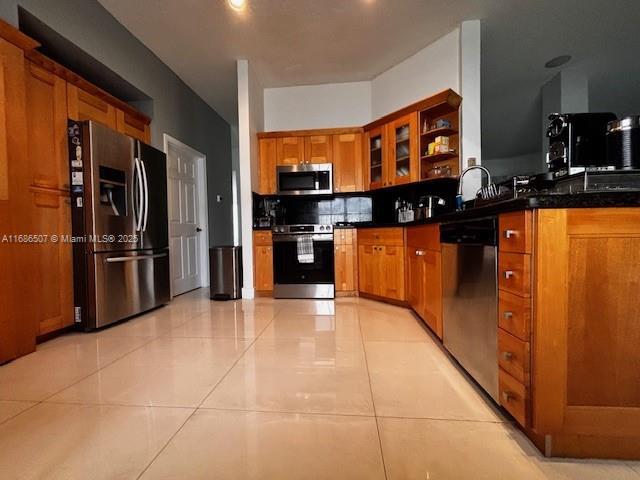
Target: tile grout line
(373,402)
(93,372)
(203,400)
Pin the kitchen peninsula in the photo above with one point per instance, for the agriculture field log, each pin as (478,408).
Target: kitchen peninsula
(563,358)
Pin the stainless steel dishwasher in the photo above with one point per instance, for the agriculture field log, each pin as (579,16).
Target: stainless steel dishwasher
(470,300)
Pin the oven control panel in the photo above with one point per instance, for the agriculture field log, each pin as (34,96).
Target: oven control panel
(289,229)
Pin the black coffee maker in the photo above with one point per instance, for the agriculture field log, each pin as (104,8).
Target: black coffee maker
(577,142)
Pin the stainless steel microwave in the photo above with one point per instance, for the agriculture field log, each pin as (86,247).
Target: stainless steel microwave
(306,179)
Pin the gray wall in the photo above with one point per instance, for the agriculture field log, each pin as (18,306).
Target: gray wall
(177,110)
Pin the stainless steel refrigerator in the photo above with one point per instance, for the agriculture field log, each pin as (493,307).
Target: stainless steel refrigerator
(119,223)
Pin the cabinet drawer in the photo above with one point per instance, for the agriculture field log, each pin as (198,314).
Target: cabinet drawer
(514,314)
(513,397)
(381,236)
(262,238)
(424,236)
(515,232)
(513,356)
(514,273)
(343,236)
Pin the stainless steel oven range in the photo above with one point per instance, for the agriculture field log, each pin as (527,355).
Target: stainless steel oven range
(303,261)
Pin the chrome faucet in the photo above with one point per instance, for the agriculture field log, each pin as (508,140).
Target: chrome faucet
(459,199)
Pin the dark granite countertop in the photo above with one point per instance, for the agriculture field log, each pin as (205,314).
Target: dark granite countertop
(599,199)
(528,202)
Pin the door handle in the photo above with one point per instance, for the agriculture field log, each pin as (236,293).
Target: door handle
(146,196)
(134,258)
(198,229)
(140,194)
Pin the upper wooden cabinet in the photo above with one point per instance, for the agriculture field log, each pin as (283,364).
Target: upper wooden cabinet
(83,105)
(290,150)
(133,126)
(403,150)
(347,162)
(267,184)
(318,149)
(377,157)
(47,126)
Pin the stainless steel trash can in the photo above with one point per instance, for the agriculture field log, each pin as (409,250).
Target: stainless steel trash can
(225,266)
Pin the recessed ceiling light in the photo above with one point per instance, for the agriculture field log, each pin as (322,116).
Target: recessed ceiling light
(237,4)
(558,61)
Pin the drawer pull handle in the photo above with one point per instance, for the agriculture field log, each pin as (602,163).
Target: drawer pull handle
(507,355)
(420,253)
(507,396)
(508,274)
(508,315)
(510,233)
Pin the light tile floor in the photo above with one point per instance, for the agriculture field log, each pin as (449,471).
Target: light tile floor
(264,389)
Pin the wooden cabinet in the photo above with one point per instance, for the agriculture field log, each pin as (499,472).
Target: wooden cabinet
(18,290)
(318,149)
(376,157)
(50,211)
(133,125)
(381,269)
(267,184)
(290,150)
(403,150)
(424,274)
(83,105)
(585,360)
(263,261)
(514,314)
(347,162)
(345,261)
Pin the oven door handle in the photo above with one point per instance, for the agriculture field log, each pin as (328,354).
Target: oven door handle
(316,237)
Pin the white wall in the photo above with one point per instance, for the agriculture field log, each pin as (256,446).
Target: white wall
(317,106)
(431,70)
(250,121)
(470,113)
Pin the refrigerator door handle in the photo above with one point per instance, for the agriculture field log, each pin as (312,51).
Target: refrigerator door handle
(146,196)
(138,213)
(134,258)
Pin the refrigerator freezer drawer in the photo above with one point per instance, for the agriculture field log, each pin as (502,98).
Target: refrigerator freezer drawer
(129,283)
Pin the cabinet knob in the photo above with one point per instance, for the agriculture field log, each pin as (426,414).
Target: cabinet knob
(508,315)
(508,274)
(510,233)
(507,355)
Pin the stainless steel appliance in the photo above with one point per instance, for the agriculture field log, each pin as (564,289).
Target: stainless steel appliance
(623,143)
(577,141)
(305,179)
(470,303)
(225,265)
(119,222)
(295,277)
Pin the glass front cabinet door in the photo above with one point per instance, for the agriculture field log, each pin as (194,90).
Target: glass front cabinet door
(377,157)
(403,150)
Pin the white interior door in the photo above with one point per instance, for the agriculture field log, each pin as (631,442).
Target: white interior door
(184,243)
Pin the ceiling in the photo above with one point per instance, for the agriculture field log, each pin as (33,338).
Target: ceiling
(302,42)
(288,42)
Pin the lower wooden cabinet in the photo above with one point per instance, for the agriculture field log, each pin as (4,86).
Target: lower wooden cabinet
(424,290)
(381,270)
(345,261)
(263,262)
